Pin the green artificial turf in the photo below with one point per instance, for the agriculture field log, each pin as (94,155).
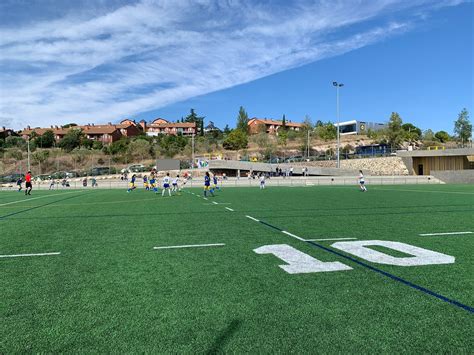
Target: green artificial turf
(110,291)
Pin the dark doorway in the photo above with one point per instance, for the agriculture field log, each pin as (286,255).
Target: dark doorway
(420,169)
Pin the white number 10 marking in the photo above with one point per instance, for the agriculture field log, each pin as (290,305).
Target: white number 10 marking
(299,262)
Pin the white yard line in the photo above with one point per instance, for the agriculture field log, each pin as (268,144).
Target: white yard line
(37,198)
(321,240)
(214,202)
(189,246)
(230,209)
(294,236)
(448,233)
(20,255)
(253,219)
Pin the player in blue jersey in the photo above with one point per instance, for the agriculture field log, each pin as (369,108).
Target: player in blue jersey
(152,182)
(145,183)
(131,184)
(215,182)
(166,185)
(207,185)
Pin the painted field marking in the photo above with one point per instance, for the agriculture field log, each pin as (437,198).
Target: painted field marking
(190,246)
(230,209)
(37,198)
(20,255)
(447,233)
(324,239)
(206,198)
(214,202)
(379,271)
(294,236)
(253,219)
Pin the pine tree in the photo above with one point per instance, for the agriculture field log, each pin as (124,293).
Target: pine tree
(243,121)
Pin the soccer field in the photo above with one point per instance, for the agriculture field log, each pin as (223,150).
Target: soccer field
(283,270)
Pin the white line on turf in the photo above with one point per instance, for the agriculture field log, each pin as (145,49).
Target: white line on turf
(214,202)
(432,191)
(189,246)
(294,236)
(38,254)
(37,198)
(253,219)
(230,209)
(321,240)
(448,233)
(206,198)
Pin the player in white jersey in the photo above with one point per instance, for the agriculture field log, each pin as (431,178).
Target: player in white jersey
(174,183)
(362,181)
(166,185)
(262,181)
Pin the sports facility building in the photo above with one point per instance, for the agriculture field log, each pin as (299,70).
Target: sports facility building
(358,127)
(429,162)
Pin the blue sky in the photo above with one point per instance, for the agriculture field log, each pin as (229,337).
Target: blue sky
(100,61)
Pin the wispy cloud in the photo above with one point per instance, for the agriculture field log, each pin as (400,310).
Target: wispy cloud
(149,54)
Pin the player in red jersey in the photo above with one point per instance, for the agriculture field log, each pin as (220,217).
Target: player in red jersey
(28,186)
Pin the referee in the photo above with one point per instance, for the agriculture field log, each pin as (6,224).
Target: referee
(28,186)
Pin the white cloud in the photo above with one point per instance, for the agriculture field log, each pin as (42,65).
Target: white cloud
(154,53)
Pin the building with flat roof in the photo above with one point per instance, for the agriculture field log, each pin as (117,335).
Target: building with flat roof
(425,162)
(359,127)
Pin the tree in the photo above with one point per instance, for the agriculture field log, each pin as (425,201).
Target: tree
(395,132)
(40,156)
(463,127)
(46,140)
(327,131)
(428,135)
(69,125)
(72,139)
(411,132)
(243,121)
(194,118)
(283,123)
(97,145)
(119,146)
(442,136)
(226,129)
(236,140)
(139,148)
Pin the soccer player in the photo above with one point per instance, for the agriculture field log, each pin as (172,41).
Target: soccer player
(152,181)
(18,183)
(28,185)
(51,183)
(215,180)
(131,184)
(207,184)
(262,181)
(362,182)
(166,185)
(145,183)
(175,184)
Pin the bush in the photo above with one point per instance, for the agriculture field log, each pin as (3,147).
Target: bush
(97,145)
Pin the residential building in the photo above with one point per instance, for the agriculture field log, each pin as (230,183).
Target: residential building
(211,128)
(6,132)
(106,134)
(162,126)
(269,126)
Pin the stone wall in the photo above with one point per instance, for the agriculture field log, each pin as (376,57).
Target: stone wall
(370,166)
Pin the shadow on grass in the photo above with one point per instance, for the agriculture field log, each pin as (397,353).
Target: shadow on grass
(223,338)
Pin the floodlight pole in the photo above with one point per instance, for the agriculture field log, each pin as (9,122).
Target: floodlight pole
(29,167)
(192,158)
(338,85)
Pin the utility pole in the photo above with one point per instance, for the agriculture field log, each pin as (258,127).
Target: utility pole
(338,85)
